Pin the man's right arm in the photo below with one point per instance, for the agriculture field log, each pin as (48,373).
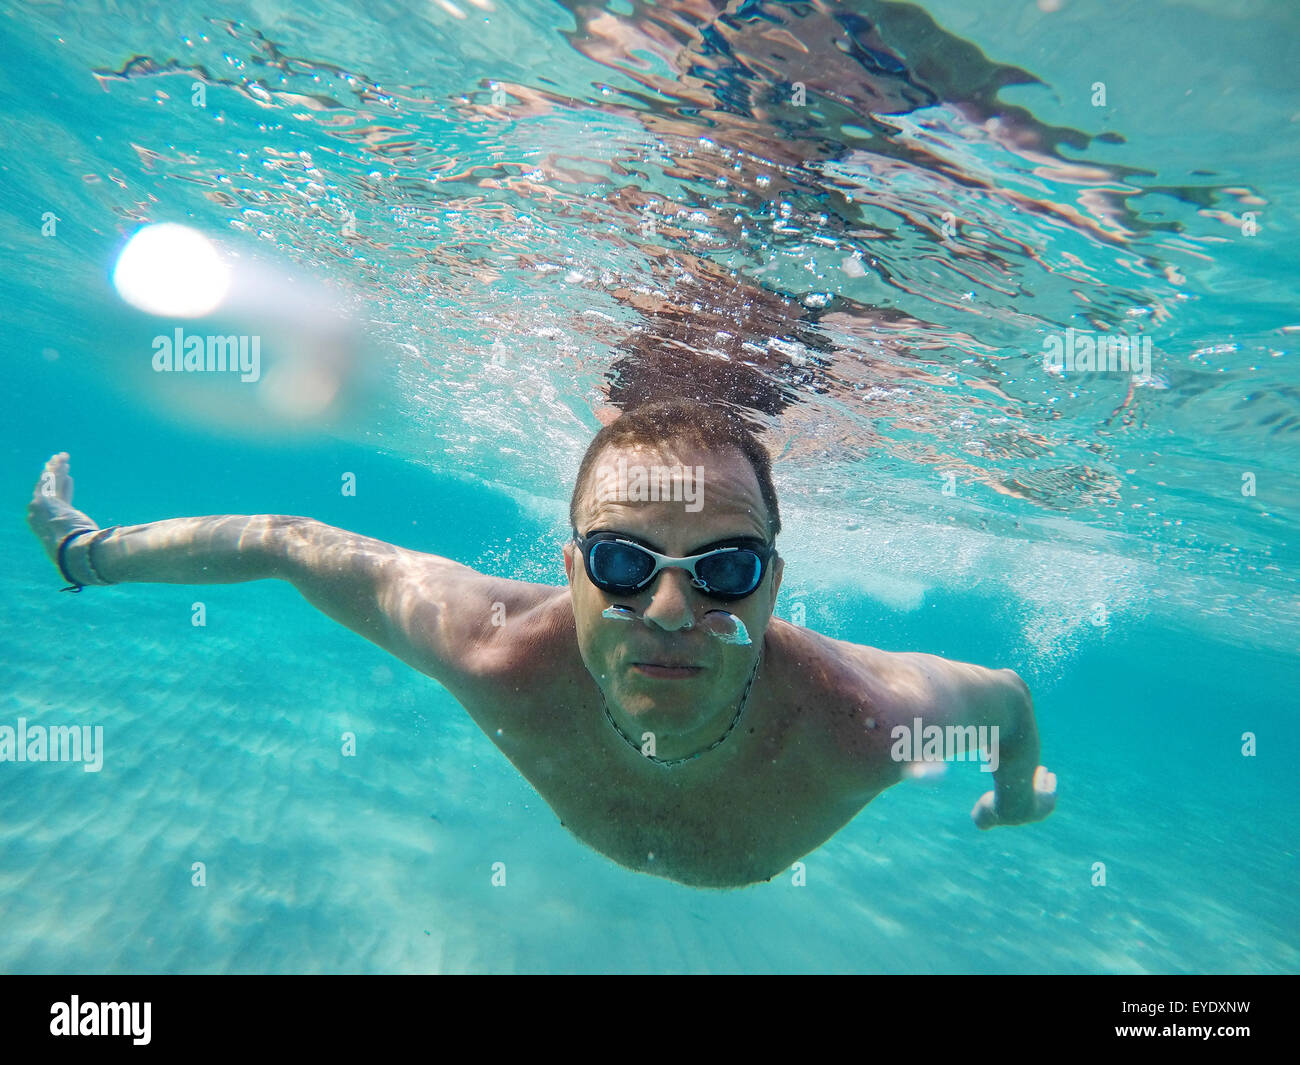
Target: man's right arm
(439,616)
(434,614)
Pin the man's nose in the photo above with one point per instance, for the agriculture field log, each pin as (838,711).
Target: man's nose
(670,601)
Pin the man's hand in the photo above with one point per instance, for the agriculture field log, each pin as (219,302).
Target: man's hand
(1033,805)
(51,514)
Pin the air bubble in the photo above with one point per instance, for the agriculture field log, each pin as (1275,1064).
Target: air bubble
(726,627)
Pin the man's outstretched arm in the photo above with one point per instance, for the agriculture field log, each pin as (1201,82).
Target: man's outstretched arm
(964,695)
(432,613)
(949,694)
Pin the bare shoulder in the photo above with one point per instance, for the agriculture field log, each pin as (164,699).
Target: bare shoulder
(843,685)
(459,625)
(520,655)
(842,672)
(530,630)
(525,668)
(860,693)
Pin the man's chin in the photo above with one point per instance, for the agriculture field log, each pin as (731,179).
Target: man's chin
(658,704)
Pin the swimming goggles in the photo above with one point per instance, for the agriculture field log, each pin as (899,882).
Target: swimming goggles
(732,569)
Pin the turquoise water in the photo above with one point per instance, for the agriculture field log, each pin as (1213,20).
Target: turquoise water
(642,209)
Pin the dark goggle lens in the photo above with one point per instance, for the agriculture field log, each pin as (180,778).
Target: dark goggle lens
(619,565)
(732,573)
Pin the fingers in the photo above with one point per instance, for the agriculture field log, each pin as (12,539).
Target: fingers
(1044,781)
(1045,790)
(984,815)
(55,482)
(51,500)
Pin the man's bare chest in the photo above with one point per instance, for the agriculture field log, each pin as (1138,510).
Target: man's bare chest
(730,818)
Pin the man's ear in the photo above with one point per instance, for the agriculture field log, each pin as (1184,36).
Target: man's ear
(568,561)
(778,568)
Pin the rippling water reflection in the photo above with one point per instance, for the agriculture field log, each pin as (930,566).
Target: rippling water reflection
(851,222)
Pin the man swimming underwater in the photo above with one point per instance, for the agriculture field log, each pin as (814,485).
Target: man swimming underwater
(670,721)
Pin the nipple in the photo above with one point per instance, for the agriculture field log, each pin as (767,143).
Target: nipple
(726,627)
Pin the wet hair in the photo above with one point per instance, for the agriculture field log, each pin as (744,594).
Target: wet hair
(682,423)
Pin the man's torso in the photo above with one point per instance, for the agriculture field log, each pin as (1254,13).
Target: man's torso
(810,749)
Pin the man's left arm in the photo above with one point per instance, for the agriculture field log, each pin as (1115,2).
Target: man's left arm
(1023,791)
(963,695)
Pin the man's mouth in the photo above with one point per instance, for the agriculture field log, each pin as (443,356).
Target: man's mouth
(667,670)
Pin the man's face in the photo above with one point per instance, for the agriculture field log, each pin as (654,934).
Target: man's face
(662,668)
